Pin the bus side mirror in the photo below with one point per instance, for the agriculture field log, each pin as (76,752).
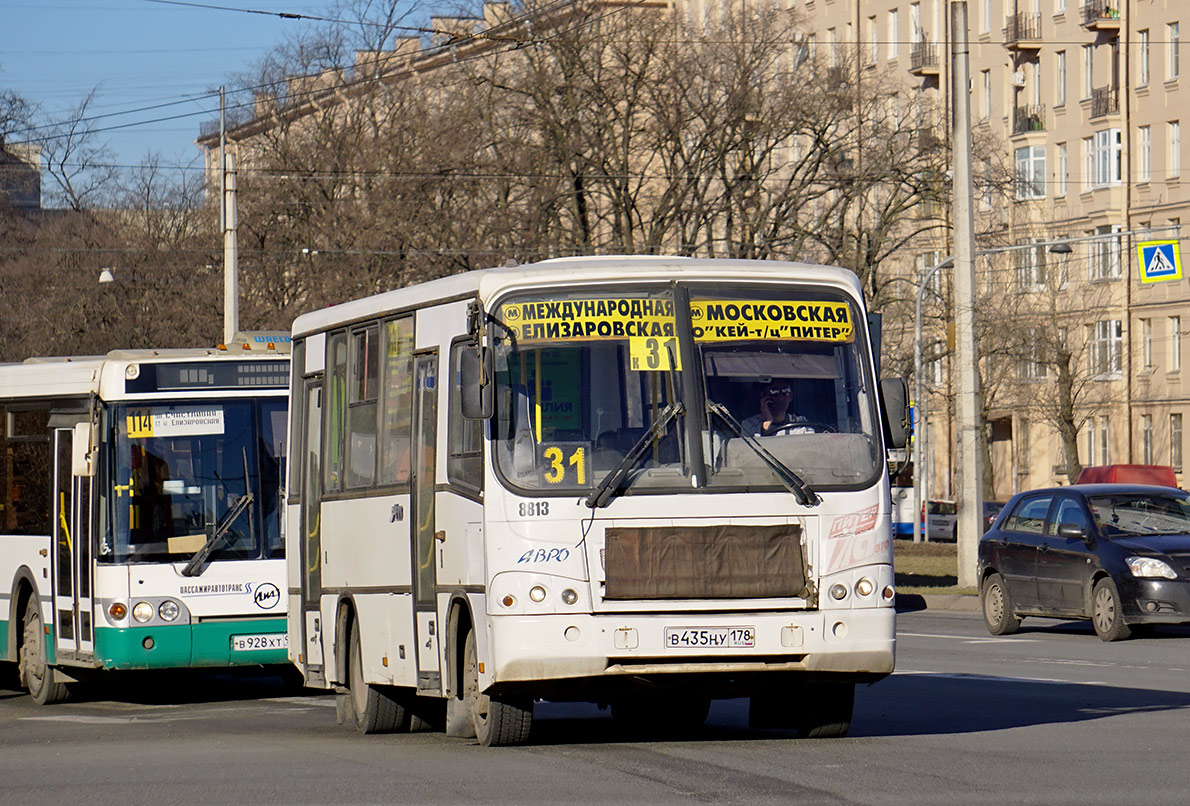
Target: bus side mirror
(894,408)
(475,378)
(81,456)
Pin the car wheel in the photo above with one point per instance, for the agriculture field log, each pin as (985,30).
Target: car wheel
(1106,615)
(997,607)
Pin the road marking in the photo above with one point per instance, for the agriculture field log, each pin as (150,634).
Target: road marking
(966,639)
(999,678)
(84,719)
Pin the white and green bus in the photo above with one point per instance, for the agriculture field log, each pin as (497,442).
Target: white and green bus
(140,512)
(554,482)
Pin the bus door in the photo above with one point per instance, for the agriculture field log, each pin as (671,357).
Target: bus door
(71,530)
(425,552)
(311,528)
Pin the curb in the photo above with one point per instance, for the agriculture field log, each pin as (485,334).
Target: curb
(912,602)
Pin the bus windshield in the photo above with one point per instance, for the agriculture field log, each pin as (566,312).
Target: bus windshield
(591,384)
(178,469)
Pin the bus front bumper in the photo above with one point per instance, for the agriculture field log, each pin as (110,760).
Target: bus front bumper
(230,642)
(858,644)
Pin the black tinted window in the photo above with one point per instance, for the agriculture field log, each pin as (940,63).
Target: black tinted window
(1029,515)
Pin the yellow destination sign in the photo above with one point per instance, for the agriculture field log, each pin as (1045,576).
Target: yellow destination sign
(653,320)
(736,320)
(590,319)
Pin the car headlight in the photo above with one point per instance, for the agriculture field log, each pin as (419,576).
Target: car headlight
(142,612)
(1150,567)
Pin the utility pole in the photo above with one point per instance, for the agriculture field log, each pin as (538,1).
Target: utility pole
(231,291)
(970,453)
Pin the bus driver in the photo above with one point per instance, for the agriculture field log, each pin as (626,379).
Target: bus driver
(775,416)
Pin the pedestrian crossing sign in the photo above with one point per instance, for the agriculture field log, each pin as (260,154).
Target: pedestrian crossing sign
(1159,260)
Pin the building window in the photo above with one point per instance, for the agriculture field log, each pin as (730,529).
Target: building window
(1107,153)
(1175,344)
(1088,72)
(894,32)
(832,41)
(1142,57)
(1105,440)
(1107,253)
(1060,78)
(1106,338)
(985,86)
(1030,172)
(1144,158)
(1173,57)
(1060,173)
(873,40)
(1146,438)
(985,22)
(1146,343)
(1175,442)
(916,35)
(1034,368)
(1175,150)
(934,369)
(1088,164)
(1030,267)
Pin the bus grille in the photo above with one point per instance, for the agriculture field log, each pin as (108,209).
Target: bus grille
(705,562)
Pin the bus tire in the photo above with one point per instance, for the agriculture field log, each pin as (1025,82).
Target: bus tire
(373,708)
(35,673)
(826,710)
(498,721)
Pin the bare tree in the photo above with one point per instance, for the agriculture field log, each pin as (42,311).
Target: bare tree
(82,167)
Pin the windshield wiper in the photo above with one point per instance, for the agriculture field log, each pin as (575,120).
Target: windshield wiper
(602,495)
(791,481)
(198,562)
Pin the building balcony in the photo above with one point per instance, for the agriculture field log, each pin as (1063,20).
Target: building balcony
(1101,15)
(1105,101)
(923,59)
(1030,118)
(1023,31)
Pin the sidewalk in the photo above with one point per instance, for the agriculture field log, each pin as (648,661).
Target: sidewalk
(910,602)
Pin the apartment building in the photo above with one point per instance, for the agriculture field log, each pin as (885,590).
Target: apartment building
(1087,98)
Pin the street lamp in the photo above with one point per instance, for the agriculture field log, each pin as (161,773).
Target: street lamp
(920,492)
(106,276)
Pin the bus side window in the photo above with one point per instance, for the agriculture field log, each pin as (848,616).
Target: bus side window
(336,362)
(396,408)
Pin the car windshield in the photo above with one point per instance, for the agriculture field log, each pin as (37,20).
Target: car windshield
(1125,514)
(177,470)
(591,386)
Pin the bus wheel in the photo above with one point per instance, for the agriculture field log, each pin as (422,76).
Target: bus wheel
(826,710)
(35,673)
(498,720)
(374,709)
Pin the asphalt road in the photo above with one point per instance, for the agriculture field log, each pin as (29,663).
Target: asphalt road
(1051,715)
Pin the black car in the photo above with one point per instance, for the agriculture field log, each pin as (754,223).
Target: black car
(1117,554)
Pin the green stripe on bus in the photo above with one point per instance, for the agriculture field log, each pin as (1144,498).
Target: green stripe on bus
(4,640)
(183,646)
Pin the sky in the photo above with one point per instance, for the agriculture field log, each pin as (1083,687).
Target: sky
(138,53)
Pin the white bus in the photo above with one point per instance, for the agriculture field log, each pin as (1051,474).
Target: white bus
(544,482)
(140,513)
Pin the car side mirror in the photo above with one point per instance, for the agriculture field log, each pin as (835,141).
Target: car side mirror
(1072,530)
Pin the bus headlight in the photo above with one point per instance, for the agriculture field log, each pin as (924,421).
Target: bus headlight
(168,610)
(142,612)
(569,596)
(537,593)
(838,591)
(865,587)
